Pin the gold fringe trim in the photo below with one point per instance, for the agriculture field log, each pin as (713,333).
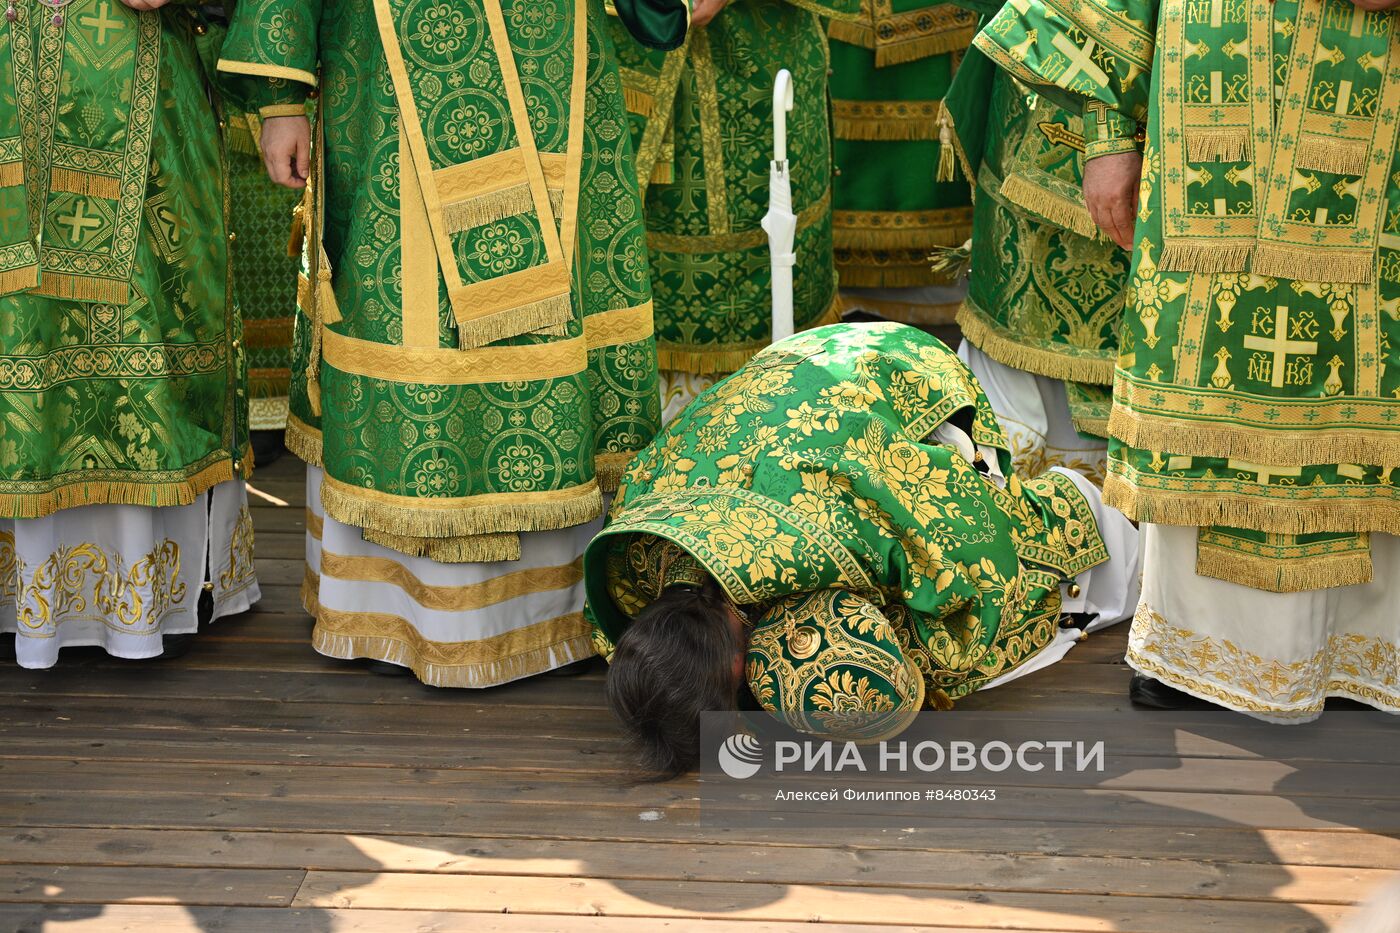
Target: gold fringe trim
(488,513)
(488,208)
(1325,264)
(239,138)
(1004,347)
(472,549)
(900,238)
(1281,447)
(855,275)
(1217,145)
(1283,576)
(904,312)
(11,174)
(83,288)
(547,316)
(303,441)
(663,173)
(85,183)
(924,47)
(854,124)
(463,676)
(704,362)
(1195,256)
(1335,156)
(1281,516)
(1062,212)
(82,492)
(19,280)
(638,101)
(610,468)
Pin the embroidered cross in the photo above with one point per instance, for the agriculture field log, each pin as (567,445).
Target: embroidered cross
(1265,474)
(1280,346)
(103,22)
(1080,62)
(78,223)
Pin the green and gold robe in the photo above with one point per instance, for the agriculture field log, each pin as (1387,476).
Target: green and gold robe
(476,358)
(120,349)
(897,194)
(816,473)
(1045,290)
(1257,386)
(701,118)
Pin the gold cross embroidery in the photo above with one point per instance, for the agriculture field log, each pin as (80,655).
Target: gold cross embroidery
(1280,346)
(1080,62)
(78,223)
(103,22)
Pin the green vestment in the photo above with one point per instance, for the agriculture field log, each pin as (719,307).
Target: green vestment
(702,121)
(1257,385)
(120,353)
(897,195)
(816,468)
(1045,291)
(475,354)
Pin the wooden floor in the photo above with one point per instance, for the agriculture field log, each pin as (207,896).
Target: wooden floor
(255,786)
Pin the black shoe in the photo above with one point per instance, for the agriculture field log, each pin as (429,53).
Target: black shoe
(385,669)
(268,447)
(1153,694)
(7,646)
(574,669)
(175,646)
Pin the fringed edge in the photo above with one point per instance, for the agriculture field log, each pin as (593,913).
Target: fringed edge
(1283,576)
(11,174)
(1280,516)
(993,340)
(550,312)
(487,208)
(1335,156)
(1314,265)
(21,279)
(610,468)
(85,183)
(638,101)
(303,441)
(401,517)
(915,276)
(240,139)
(1217,145)
(88,492)
(905,312)
(710,362)
(1093,425)
(1184,255)
(912,50)
(1062,212)
(903,238)
(852,32)
(396,651)
(877,129)
(83,288)
(950,263)
(1281,448)
(473,549)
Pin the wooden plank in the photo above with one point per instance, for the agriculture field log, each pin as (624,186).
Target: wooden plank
(124,918)
(804,903)
(57,884)
(1155,826)
(817,865)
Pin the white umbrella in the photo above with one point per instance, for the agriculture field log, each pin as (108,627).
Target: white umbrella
(780,223)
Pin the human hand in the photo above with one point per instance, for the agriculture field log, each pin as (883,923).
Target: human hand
(1111,194)
(144,5)
(1376,6)
(706,10)
(286,147)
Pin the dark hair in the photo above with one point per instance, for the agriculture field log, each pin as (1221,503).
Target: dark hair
(674,662)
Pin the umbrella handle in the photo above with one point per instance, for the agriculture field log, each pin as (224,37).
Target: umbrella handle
(782,105)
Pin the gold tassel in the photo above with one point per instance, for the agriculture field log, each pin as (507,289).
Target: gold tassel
(1328,264)
(404,518)
(1335,156)
(492,548)
(1196,256)
(69,181)
(296,237)
(937,699)
(11,174)
(553,312)
(487,209)
(992,339)
(1217,145)
(1283,576)
(1062,212)
(947,159)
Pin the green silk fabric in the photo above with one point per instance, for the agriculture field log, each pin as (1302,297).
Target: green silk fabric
(657,24)
(120,367)
(1257,385)
(814,469)
(890,71)
(1045,291)
(702,124)
(453,393)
